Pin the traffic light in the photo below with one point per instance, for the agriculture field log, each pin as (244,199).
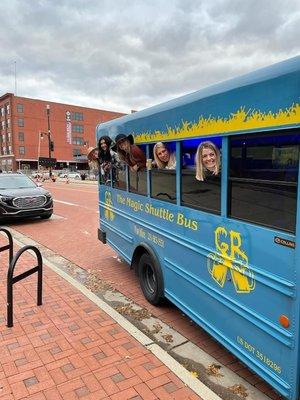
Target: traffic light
(52,146)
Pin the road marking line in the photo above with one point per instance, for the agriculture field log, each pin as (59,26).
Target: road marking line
(50,188)
(76,205)
(66,202)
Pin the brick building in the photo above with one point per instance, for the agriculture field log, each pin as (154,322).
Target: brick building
(24,132)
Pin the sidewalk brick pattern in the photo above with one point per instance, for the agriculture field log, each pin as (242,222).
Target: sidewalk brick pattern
(93,255)
(70,349)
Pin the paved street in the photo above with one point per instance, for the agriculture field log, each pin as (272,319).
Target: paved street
(72,233)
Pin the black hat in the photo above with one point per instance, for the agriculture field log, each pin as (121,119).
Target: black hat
(119,137)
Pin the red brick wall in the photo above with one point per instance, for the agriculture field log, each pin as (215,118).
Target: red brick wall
(35,120)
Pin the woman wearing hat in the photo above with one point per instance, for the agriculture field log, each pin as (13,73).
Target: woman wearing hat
(108,159)
(128,152)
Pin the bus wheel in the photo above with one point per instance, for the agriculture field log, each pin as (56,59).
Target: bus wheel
(151,280)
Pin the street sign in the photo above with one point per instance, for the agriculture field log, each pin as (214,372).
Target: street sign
(47,162)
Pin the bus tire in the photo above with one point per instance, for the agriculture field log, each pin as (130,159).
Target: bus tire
(151,279)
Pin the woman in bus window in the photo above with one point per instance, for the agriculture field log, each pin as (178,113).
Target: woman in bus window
(128,152)
(207,160)
(163,157)
(108,159)
(92,156)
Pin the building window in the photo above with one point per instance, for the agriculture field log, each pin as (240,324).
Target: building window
(20,108)
(77,128)
(3,125)
(76,152)
(2,111)
(9,150)
(77,116)
(21,122)
(8,123)
(21,150)
(21,136)
(78,141)
(7,109)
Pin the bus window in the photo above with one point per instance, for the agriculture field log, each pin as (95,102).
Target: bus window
(263,179)
(138,179)
(201,175)
(163,172)
(120,177)
(138,182)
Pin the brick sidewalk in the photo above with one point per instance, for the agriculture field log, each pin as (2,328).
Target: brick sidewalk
(70,349)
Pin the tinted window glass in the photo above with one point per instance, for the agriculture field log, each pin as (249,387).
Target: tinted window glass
(163,185)
(138,179)
(201,174)
(15,182)
(138,182)
(163,172)
(263,179)
(119,176)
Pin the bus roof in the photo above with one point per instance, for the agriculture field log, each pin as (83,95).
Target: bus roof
(266,98)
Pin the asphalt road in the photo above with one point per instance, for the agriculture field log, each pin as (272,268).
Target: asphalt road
(72,233)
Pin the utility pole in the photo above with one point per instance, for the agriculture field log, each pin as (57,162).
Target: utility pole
(15,78)
(49,138)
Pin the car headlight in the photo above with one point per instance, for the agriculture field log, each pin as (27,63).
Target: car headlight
(5,199)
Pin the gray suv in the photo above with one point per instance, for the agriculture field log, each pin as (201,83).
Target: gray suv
(21,197)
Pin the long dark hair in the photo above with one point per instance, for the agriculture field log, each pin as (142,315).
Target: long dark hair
(104,156)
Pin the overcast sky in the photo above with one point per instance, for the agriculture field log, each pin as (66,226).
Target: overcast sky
(122,55)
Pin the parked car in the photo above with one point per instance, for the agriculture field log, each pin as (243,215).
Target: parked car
(20,197)
(70,175)
(41,175)
(74,175)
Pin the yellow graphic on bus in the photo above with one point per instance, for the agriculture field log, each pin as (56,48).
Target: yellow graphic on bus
(241,119)
(108,213)
(230,259)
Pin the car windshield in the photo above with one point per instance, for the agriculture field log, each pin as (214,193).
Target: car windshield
(16,182)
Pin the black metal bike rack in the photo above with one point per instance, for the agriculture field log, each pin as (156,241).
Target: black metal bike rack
(11,279)
(9,246)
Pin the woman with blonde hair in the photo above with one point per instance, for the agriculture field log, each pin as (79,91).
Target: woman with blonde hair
(163,157)
(207,160)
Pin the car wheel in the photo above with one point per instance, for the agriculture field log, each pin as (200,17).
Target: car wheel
(77,177)
(46,216)
(151,280)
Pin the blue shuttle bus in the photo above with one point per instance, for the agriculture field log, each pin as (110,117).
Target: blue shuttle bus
(216,233)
